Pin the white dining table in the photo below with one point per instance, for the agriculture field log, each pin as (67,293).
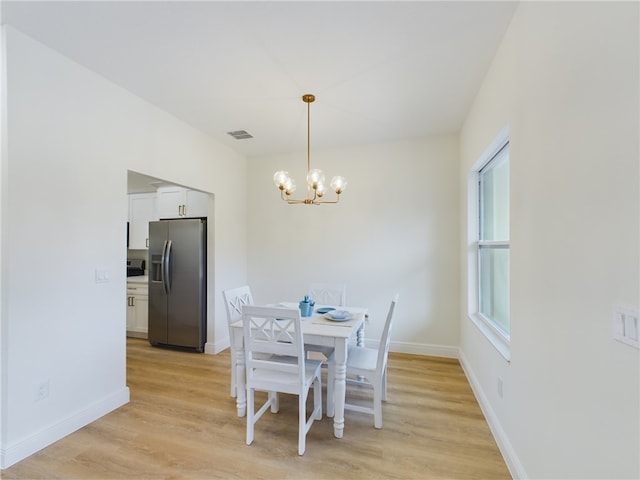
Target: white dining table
(316,330)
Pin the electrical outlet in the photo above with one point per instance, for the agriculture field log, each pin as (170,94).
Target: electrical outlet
(41,391)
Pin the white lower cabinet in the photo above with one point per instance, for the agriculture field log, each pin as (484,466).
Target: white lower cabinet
(137,309)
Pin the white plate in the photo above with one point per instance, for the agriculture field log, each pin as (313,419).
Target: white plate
(338,315)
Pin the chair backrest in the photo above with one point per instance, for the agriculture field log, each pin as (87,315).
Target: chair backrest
(383,349)
(273,347)
(333,294)
(234,300)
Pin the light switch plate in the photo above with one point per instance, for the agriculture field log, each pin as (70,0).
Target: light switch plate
(625,325)
(102,276)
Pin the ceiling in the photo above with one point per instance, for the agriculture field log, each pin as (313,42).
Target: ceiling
(380,71)
(140,183)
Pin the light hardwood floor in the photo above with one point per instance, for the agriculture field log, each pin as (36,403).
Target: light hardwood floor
(181,423)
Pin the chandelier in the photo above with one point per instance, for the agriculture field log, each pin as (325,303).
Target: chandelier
(316,187)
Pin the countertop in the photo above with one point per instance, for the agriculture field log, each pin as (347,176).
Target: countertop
(139,279)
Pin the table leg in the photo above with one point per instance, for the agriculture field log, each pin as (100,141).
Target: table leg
(340,386)
(360,340)
(360,335)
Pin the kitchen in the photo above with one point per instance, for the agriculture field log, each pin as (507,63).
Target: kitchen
(176,315)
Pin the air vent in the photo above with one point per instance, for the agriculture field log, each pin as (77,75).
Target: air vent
(240,134)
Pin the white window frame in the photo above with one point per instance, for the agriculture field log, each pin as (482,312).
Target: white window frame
(498,338)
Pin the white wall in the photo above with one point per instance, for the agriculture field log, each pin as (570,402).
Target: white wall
(71,137)
(566,82)
(395,230)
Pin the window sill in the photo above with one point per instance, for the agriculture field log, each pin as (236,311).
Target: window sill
(495,337)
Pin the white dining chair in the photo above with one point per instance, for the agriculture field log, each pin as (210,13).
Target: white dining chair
(234,300)
(367,366)
(331,294)
(277,332)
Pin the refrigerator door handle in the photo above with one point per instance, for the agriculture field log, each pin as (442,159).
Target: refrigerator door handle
(166,264)
(162,266)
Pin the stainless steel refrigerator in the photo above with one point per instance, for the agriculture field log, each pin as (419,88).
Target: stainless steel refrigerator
(178,283)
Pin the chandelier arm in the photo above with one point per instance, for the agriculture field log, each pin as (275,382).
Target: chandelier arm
(289,200)
(292,201)
(309,201)
(321,202)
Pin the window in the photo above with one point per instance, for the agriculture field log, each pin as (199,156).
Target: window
(489,244)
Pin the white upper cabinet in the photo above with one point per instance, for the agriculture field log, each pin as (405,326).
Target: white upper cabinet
(179,202)
(142,210)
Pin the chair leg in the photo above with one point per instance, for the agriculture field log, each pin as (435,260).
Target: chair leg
(302,423)
(275,402)
(250,414)
(317,399)
(377,405)
(384,385)
(233,381)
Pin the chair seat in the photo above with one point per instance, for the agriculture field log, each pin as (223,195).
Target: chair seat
(323,349)
(362,358)
(284,378)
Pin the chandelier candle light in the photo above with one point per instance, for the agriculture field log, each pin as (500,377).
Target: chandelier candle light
(315,177)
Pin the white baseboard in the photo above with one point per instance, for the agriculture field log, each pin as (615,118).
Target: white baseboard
(400,347)
(424,349)
(508,453)
(419,348)
(48,435)
(212,348)
(132,334)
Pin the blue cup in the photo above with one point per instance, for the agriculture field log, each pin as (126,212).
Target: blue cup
(305,309)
